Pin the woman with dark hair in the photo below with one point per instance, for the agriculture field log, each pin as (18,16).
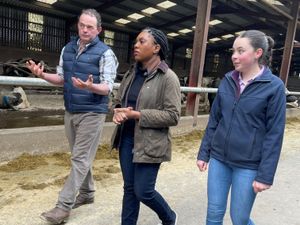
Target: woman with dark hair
(147,104)
(243,138)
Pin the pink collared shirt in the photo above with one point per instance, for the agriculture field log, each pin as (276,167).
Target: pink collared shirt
(244,84)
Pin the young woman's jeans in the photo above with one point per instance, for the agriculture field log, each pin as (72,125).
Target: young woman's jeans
(139,186)
(222,177)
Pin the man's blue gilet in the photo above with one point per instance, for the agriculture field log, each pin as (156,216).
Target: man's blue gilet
(78,100)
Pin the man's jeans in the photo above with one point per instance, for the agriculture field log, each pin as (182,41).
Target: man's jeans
(221,177)
(83,131)
(139,186)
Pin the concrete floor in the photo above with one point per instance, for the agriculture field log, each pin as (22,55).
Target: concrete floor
(179,181)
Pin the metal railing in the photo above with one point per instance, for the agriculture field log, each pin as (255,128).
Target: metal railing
(38,82)
(24,81)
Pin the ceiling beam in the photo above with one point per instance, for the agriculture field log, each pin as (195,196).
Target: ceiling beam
(187,6)
(79,4)
(183,19)
(169,10)
(108,4)
(36,7)
(131,10)
(224,11)
(279,11)
(276,9)
(101,9)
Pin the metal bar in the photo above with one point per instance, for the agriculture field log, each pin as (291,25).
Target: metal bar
(37,82)
(292,93)
(198,90)
(32,82)
(24,81)
(28,81)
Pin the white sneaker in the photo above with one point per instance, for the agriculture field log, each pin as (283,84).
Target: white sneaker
(176,219)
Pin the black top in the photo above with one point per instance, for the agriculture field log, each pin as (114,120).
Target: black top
(132,95)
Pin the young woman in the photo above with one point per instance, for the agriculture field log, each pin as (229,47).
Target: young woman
(243,138)
(147,104)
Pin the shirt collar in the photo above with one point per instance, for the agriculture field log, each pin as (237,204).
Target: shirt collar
(240,80)
(78,43)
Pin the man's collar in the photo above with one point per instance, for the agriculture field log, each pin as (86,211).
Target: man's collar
(92,42)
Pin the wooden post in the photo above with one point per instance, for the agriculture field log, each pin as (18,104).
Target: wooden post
(198,54)
(289,42)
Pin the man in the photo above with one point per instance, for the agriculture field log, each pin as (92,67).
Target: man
(87,70)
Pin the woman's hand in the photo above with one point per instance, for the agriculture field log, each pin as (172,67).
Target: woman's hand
(123,114)
(36,69)
(77,82)
(202,165)
(119,115)
(259,187)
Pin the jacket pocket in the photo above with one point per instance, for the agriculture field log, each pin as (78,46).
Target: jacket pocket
(156,142)
(251,153)
(251,150)
(244,147)
(256,145)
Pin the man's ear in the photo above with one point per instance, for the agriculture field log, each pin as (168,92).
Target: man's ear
(99,29)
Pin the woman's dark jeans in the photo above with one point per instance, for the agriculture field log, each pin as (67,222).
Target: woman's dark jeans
(139,186)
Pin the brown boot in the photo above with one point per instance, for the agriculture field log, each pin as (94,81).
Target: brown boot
(56,215)
(80,200)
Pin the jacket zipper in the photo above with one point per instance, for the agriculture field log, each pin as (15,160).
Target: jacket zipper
(233,84)
(76,58)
